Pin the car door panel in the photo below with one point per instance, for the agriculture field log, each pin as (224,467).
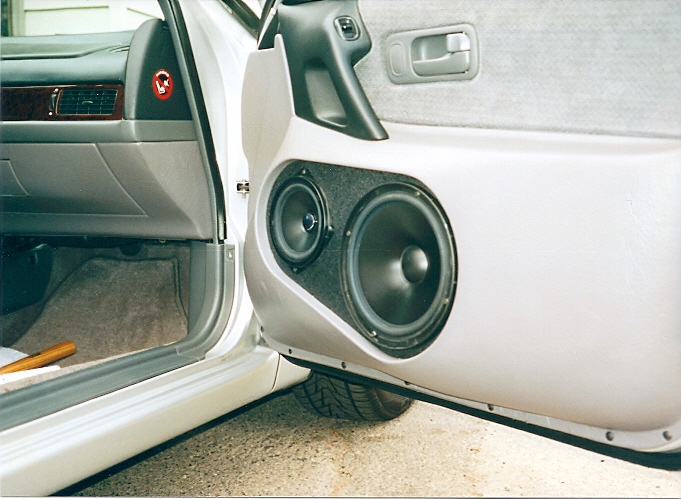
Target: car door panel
(565,312)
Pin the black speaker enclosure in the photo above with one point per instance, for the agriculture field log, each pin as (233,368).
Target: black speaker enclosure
(398,268)
(298,221)
(344,189)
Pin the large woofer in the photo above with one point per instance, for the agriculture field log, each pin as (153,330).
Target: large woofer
(298,222)
(399,268)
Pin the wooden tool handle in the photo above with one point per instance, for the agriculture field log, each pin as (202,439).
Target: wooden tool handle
(40,359)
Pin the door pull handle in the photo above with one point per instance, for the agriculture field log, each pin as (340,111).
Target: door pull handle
(436,54)
(456,59)
(458,62)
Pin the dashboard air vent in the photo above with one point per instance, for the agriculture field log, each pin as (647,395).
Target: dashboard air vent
(87,101)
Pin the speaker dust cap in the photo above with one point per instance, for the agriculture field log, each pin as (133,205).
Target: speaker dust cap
(298,222)
(399,268)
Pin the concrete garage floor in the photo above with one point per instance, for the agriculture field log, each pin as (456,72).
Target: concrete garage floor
(276,448)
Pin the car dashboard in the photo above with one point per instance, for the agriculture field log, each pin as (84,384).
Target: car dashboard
(98,138)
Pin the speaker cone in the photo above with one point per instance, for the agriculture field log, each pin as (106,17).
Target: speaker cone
(298,222)
(399,268)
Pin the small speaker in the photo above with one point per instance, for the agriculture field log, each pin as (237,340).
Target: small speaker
(298,221)
(398,268)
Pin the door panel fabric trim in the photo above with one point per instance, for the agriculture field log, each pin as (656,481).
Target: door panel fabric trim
(603,67)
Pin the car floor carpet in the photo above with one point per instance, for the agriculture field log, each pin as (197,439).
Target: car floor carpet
(109,307)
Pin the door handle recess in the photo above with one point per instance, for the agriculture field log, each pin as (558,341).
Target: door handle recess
(437,54)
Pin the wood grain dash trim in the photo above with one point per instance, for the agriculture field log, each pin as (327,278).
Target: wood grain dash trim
(41,103)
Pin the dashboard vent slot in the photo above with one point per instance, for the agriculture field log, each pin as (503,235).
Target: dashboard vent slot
(96,101)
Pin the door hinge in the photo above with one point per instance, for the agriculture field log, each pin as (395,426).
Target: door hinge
(243,187)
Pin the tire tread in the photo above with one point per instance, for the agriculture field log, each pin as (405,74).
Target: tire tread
(334,398)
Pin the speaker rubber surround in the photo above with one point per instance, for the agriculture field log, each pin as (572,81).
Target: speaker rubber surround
(399,268)
(298,222)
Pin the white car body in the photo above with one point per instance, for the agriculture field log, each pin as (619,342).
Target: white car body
(256,134)
(72,444)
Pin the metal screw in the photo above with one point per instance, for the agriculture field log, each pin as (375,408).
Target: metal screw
(343,365)
(490,407)
(348,233)
(290,351)
(610,436)
(295,270)
(262,329)
(303,172)
(667,435)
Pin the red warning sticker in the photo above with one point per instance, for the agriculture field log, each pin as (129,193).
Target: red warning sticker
(162,84)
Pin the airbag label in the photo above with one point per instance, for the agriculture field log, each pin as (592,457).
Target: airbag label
(162,84)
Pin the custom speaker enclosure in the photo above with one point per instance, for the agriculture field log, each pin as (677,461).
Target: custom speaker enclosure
(347,194)
(298,221)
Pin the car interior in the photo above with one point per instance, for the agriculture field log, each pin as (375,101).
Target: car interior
(105,202)
(507,174)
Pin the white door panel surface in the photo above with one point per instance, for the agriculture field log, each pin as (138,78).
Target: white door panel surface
(567,306)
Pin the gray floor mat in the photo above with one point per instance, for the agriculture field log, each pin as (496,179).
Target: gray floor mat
(109,307)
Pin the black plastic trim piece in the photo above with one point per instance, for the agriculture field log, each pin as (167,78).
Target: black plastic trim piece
(152,50)
(244,14)
(665,461)
(326,90)
(190,76)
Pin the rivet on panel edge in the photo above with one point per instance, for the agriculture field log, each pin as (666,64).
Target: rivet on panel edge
(348,233)
(262,329)
(610,436)
(490,407)
(290,351)
(667,435)
(343,365)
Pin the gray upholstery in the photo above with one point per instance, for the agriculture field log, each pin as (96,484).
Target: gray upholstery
(593,66)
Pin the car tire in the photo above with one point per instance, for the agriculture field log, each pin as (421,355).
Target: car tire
(334,398)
